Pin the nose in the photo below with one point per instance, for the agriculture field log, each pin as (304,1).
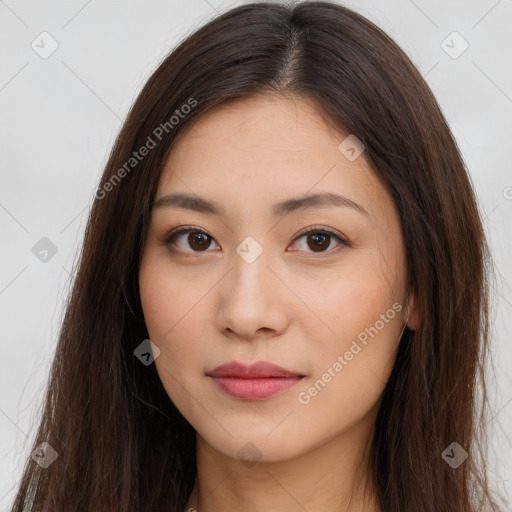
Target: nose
(253,301)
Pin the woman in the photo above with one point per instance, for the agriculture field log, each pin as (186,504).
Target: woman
(281,302)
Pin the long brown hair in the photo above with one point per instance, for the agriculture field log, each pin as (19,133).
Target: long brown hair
(121,442)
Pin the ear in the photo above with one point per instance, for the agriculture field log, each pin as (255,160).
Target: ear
(412,315)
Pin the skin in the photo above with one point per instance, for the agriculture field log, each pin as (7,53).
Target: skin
(295,305)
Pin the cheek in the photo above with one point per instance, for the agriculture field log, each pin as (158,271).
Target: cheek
(174,309)
(171,310)
(361,315)
(352,366)
(350,297)
(166,297)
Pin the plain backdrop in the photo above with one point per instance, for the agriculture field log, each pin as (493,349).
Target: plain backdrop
(60,114)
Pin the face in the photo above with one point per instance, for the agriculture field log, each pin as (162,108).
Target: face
(248,283)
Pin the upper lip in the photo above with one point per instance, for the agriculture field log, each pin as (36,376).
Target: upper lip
(258,370)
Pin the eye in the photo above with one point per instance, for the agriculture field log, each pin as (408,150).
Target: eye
(317,239)
(197,240)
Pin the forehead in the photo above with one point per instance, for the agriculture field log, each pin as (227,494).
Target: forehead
(269,126)
(263,150)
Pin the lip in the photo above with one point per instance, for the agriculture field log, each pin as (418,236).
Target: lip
(261,369)
(258,381)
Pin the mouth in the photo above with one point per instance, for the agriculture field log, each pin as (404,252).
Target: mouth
(256,382)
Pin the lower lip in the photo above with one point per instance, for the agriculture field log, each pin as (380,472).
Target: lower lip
(254,389)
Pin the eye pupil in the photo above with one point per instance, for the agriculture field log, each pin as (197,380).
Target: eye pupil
(202,237)
(318,237)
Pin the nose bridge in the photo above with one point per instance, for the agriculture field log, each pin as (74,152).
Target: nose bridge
(250,273)
(248,297)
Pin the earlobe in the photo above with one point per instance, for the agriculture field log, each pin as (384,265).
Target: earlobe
(412,316)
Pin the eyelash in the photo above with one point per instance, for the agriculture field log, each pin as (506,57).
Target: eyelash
(170,237)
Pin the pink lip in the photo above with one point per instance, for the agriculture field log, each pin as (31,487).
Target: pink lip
(256,382)
(261,369)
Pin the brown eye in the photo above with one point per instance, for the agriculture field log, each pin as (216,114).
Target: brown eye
(319,240)
(196,240)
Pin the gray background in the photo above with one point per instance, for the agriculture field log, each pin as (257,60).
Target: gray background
(60,115)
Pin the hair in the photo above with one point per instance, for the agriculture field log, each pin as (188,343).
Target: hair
(121,442)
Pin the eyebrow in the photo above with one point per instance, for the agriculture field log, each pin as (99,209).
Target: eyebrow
(202,205)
